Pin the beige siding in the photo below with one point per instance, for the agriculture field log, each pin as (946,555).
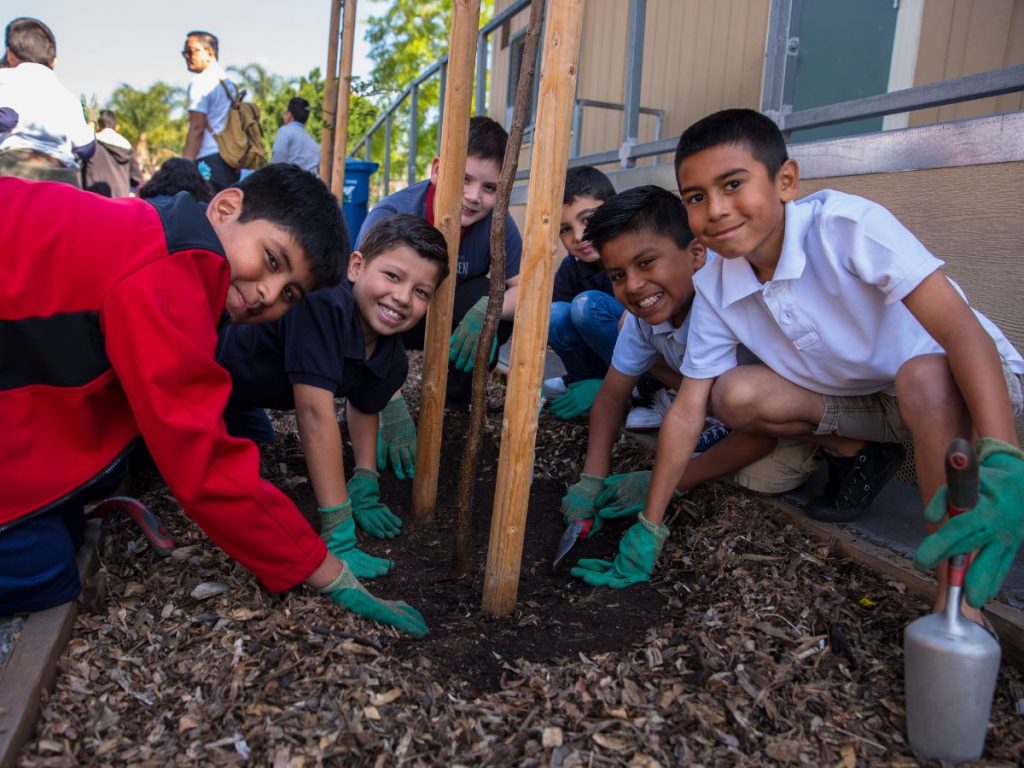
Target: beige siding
(688,71)
(964,37)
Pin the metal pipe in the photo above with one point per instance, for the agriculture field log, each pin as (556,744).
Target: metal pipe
(414,132)
(634,75)
(387,153)
(480,108)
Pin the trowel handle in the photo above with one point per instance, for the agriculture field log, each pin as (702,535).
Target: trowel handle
(962,494)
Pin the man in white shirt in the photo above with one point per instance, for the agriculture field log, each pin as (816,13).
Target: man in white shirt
(43,132)
(209,99)
(292,144)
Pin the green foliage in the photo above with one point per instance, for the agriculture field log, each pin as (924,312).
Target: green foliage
(145,120)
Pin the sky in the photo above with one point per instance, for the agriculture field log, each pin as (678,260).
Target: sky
(104,43)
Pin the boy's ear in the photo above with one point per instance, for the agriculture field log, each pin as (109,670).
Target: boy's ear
(787,180)
(356,262)
(698,254)
(225,205)
(435,164)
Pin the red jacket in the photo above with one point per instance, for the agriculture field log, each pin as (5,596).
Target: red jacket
(108,318)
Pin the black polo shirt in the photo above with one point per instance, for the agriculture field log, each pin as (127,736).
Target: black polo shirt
(574,277)
(319,342)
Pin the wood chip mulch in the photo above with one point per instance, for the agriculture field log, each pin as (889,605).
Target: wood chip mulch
(753,645)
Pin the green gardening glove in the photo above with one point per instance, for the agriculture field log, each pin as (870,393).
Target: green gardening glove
(370,513)
(576,400)
(638,551)
(467,335)
(994,526)
(396,439)
(338,530)
(349,593)
(578,502)
(624,495)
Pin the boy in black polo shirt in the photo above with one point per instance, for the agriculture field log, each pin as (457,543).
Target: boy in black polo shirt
(340,342)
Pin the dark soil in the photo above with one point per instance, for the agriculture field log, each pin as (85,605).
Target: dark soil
(556,615)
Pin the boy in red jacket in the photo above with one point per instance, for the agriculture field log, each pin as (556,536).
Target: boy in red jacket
(108,324)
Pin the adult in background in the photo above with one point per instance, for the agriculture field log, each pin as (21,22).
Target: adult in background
(113,170)
(209,99)
(43,132)
(292,144)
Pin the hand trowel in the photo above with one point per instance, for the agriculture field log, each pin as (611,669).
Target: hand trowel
(950,662)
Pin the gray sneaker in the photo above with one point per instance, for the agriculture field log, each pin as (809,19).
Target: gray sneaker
(647,416)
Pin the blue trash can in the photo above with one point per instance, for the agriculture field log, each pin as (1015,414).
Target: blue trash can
(355,196)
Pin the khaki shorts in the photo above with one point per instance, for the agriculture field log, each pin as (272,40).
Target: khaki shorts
(877,417)
(787,466)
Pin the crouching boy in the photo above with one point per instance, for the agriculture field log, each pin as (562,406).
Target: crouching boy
(341,342)
(651,257)
(864,342)
(119,342)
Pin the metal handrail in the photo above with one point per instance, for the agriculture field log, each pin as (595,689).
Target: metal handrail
(577,119)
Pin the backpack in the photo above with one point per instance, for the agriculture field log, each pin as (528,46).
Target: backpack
(241,141)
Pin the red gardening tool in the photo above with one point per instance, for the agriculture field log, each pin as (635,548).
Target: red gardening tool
(578,529)
(159,537)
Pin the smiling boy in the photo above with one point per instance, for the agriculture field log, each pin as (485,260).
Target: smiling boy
(118,343)
(864,342)
(651,258)
(485,155)
(343,342)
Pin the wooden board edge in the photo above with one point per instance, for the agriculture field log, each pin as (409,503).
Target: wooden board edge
(31,666)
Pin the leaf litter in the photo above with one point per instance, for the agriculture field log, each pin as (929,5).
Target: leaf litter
(752,645)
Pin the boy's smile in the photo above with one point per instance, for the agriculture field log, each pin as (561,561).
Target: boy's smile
(575,216)
(651,276)
(269,270)
(392,290)
(734,207)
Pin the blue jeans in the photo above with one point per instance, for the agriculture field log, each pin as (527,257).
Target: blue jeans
(37,555)
(583,331)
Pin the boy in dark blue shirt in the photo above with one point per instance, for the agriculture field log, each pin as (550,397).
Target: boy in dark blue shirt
(485,155)
(342,342)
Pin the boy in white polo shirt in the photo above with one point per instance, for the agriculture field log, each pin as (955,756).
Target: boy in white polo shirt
(864,341)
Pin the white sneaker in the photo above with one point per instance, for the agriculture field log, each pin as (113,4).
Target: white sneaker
(554,387)
(648,417)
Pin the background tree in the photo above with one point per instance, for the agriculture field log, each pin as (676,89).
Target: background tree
(146,120)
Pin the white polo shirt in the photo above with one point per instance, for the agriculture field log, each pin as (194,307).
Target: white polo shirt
(831,319)
(206,95)
(639,344)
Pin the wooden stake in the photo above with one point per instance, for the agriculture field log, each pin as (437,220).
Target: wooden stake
(344,87)
(462,554)
(448,219)
(548,164)
(330,95)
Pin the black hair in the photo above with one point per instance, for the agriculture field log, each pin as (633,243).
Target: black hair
(405,229)
(107,119)
(587,181)
(639,209)
(207,39)
(299,108)
(487,140)
(31,41)
(177,175)
(297,201)
(745,127)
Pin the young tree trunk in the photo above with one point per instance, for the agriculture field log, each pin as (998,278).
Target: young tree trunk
(348,43)
(462,554)
(330,95)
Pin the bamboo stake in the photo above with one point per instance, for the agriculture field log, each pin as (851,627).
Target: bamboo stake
(548,164)
(462,554)
(448,219)
(344,87)
(330,95)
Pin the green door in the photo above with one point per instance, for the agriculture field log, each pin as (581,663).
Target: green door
(845,52)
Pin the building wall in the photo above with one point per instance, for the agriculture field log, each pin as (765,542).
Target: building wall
(705,55)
